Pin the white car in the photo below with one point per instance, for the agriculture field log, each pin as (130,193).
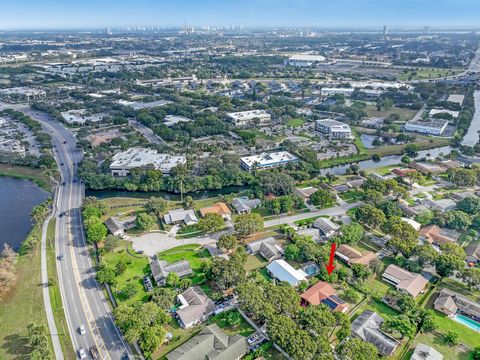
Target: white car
(81,330)
(81,353)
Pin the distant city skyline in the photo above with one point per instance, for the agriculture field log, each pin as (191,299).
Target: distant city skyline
(94,14)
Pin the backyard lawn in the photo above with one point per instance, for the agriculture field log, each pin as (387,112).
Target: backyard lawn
(190,252)
(295,122)
(449,352)
(466,335)
(136,268)
(242,328)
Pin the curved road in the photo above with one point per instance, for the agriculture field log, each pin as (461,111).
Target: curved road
(83,300)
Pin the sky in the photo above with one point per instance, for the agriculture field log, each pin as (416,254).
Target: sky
(94,14)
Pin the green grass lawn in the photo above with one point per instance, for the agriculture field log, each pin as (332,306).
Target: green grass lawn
(190,252)
(460,288)
(255,262)
(137,267)
(25,172)
(405,114)
(351,196)
(179,336)
(466,335)
(243,328)
(427,73)
(449,352)
(295,122)
(21,306)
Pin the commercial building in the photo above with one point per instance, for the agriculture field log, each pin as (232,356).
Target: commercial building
(139,105)
(404,281)
(306,60)
(80,117)
(167,81)
(124,161)
(171,120)
(430,127)
(456,98)
(211,344)
(333,129)
(267,160)
(250,117)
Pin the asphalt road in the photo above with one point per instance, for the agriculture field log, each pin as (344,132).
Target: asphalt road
(83,300)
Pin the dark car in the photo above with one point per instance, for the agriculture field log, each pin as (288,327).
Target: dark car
(94,353)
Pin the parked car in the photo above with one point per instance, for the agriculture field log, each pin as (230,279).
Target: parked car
(81,353)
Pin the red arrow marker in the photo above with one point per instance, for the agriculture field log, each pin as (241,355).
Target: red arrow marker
(330,265)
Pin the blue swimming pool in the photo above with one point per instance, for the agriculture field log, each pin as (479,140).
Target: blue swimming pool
(310,270)
(472,324)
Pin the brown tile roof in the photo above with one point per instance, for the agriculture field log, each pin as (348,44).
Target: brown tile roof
(219,208)
(354,256)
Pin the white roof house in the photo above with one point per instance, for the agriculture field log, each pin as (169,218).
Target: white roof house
(425,352)
(416,225)
(267,160)
(283,271)
(144,158)
(179,215)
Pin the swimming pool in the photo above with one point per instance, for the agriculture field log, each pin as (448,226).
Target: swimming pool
(472,324)
(311,269)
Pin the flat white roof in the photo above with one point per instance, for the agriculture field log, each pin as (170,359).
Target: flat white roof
(141,157)
(456,98)
(247,114)
(283,271)
(266,159)
(307,57)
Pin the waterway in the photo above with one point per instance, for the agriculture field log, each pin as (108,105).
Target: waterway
(471,137)
(17,199)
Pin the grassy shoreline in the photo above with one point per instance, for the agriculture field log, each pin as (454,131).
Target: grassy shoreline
(25,172)
(23,304)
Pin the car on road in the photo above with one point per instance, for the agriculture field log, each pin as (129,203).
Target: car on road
(81,353)
(81,330)
(60,257)
(61,164)
(94,352)
(64,141)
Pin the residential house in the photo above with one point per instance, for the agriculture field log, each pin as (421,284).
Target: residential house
(117,226)
(178,216)
(458,196)
(425,352)
(313,233)
(416,225)
(437,235)
(327,227)
(412,211)
(195,307)
(305,193)
(450,303)
(244,205)
(283,271)
(404,281)
(355,182)
(441,205)
(219,208)
(211,344)
(353,256)
(268,248)
(427,168)
(324,293)
(367,327)
(161,268)
(473,253)
(216,252)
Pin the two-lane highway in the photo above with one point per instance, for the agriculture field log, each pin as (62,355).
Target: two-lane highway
(83,300)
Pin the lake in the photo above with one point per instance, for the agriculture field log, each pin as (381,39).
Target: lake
(17,198)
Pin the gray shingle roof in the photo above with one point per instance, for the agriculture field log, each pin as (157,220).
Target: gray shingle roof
(367,327)
(212,344)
